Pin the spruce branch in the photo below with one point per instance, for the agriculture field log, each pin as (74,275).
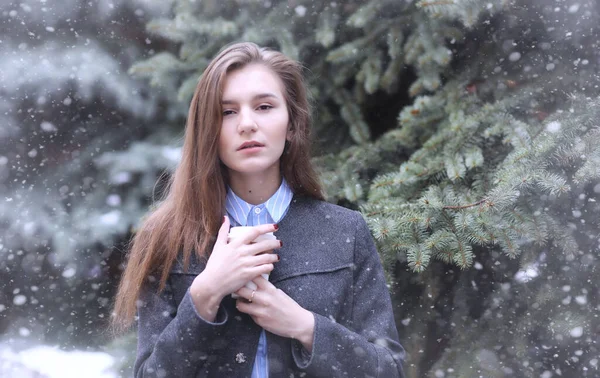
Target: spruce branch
(325,33)
(461,207)
(468,12)
(166,28)
(502,215)
(364,15)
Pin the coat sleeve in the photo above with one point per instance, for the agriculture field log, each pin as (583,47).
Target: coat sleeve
(173,339)
(371,348)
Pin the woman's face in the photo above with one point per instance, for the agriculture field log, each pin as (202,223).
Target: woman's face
(255,121)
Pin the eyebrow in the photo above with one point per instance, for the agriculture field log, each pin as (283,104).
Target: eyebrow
(259,96)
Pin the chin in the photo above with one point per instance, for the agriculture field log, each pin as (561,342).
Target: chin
(253,169)
(250,169)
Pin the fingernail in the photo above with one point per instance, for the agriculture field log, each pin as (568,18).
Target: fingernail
(280,243)
(278,258)
(276,227)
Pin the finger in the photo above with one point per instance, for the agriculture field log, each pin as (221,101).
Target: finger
(243,306)
(246,294)
(261,269)
(263,246)
(256,231)
(265,258)
(262,283)
(223,231)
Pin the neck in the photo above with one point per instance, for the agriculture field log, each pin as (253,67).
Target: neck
(255,188)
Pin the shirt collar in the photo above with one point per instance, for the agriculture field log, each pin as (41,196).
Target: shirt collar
(276,205)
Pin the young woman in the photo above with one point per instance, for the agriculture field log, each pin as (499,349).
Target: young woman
(325,310)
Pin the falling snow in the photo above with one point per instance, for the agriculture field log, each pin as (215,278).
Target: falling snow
(19,300)
(300,10)
(553,126)
(514,56)
(576,332)
(76,180)
(69,272)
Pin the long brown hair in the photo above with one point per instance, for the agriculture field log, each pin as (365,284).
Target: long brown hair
(189,216)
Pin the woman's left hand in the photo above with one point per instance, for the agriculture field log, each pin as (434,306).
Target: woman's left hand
(276,312)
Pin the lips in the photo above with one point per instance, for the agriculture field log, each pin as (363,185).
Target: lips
(250,144)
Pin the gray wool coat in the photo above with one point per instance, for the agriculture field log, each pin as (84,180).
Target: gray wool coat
(329,265)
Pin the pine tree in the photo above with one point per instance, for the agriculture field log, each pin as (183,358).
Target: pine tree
(68,104)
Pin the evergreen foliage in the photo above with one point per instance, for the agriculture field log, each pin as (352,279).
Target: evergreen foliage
(66,101)
(449,196)
(467,132)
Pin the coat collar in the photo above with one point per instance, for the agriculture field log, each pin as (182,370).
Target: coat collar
(317,238)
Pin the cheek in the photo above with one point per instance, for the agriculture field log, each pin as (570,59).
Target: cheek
(284,122)
(225,133)
(222,146)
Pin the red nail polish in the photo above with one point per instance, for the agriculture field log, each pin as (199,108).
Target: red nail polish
(280,243)
(276,227)
(278,258)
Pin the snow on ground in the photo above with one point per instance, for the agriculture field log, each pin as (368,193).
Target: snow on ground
(45,361)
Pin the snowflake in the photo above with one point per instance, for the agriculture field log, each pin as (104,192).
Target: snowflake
(240,358)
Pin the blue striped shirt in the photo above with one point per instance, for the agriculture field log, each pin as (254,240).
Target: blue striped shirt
(241,213)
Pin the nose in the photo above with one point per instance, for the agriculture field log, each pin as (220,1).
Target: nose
(247,123)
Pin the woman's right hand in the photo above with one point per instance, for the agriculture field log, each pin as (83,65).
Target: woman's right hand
(231,265)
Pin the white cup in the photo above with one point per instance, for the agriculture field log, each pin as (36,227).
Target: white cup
(236,232)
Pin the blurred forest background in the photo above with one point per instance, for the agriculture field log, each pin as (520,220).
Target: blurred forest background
(466,132)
